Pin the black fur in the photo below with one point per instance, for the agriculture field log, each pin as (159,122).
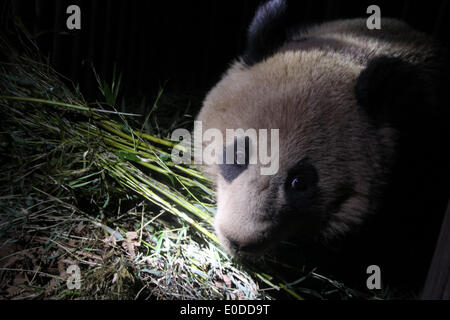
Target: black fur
(412,99)
(232,170)
(300,200)
(390,88)
(267,32)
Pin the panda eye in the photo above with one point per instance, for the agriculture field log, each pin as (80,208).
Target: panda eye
(302,178)
(298,184)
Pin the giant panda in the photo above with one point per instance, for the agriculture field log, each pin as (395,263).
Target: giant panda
(362,117)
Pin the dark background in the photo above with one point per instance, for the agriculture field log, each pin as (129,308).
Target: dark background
(183,46)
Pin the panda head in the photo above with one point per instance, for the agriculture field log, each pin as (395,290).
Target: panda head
(336,143)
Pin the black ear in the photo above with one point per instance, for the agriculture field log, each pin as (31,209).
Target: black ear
(266,32)
(393,91)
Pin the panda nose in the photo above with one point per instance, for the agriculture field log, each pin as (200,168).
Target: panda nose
(234,244)
(241,247)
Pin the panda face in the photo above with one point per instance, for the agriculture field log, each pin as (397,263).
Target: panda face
(255,212)
(330,161)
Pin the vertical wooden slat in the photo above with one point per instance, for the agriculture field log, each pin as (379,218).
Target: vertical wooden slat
(75,40)
(441,16)
(107,39)
(91,37)
(185,42)
(57,52)
(437,285)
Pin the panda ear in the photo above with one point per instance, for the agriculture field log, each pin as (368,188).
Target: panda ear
(391,90)
(266,32)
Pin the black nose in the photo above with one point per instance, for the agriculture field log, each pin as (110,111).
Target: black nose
(240,247)
(235,245)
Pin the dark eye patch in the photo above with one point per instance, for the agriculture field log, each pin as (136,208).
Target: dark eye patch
(301,184)
(231,171)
